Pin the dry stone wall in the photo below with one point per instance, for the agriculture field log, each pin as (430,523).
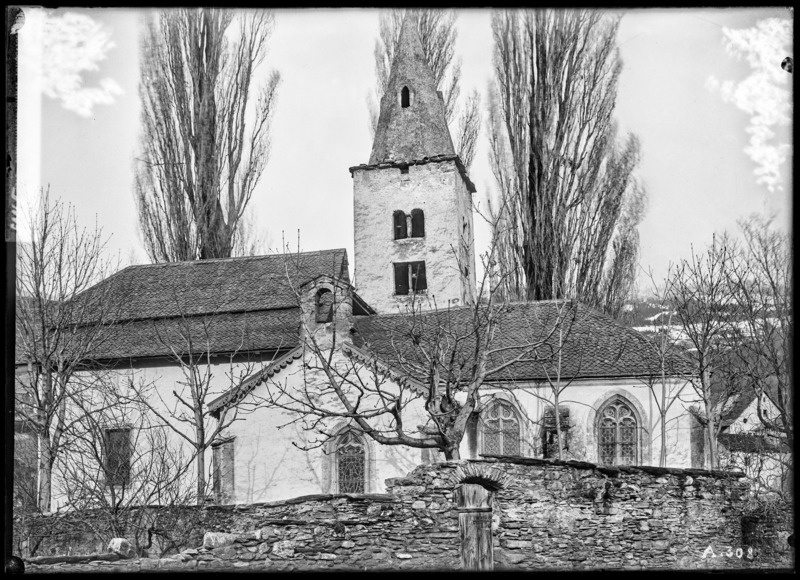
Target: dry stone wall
(548,515)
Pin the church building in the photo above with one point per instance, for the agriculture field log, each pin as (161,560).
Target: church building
(260,326)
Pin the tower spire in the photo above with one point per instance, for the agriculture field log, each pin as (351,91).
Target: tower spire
(412,123)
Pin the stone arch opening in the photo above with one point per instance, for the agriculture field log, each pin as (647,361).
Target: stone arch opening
(323,305)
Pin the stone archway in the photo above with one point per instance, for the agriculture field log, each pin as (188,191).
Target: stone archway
(475,485)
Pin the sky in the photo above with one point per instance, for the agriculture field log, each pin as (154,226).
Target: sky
(703,91)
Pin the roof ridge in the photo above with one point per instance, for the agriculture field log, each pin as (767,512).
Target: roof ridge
(231,259)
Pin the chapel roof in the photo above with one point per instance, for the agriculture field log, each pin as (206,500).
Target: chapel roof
(594,345)
(221,306)
(215,286)
(418,130)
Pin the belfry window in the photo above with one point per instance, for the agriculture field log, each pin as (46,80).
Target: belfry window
(409,278)
(500,430)
(405,98)
(618,434)
(417,223)
(324,305)
(400,227)
(350,463)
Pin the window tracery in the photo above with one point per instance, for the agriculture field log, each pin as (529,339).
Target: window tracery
(501,430)
(618,434)
(350,463)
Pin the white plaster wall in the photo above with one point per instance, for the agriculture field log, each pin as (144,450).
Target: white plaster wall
(584,399)
(166,380)
(437,189)
(269,465)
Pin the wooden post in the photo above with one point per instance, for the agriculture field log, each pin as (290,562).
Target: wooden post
(475,526)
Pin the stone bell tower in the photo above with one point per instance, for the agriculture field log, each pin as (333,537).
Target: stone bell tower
(413,201)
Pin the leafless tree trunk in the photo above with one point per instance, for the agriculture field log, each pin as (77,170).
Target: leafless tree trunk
(436,360)
(130,490)
(438,35)
(183,409)
(701,296)
(569,182)
(761,281)
(665,345)
(205,136)
(58,325)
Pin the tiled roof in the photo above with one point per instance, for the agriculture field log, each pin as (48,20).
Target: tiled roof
(218,306)
(225,333)
(214,286)
(594,346)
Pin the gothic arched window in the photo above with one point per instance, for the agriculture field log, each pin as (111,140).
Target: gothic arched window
(618,433)
(400,228)
(417,223)
(500,430)
(350,463)
(324,305)
(405,98)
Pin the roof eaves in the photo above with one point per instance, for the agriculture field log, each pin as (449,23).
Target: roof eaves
(237,393)
(403,379)
(435,159)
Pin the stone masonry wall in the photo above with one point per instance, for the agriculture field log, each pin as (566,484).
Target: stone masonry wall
(548,515)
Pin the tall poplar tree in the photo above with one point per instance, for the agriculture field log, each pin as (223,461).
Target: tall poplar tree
(567,186)
(205,130)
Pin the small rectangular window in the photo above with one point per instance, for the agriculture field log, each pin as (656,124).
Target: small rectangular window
(118,456)
(410,277)
(223,471)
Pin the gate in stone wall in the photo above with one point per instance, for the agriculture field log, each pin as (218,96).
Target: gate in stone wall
(475,485)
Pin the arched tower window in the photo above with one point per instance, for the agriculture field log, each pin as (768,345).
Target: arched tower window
(400,228)
(324,305)
(405,98)
(500,429)
(618,433)
(350,463)
(417,223)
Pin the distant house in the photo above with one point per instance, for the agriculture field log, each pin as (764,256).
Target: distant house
(745,444)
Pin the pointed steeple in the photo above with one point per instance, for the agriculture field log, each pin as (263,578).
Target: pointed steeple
(412,123)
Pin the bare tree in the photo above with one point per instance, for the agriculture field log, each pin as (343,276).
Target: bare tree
(429,363)
(761,280)
(438,35)
(58,326)
(183,409)
(700,294)
(121,471)
(664,392)
(569,181)
(205,136)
